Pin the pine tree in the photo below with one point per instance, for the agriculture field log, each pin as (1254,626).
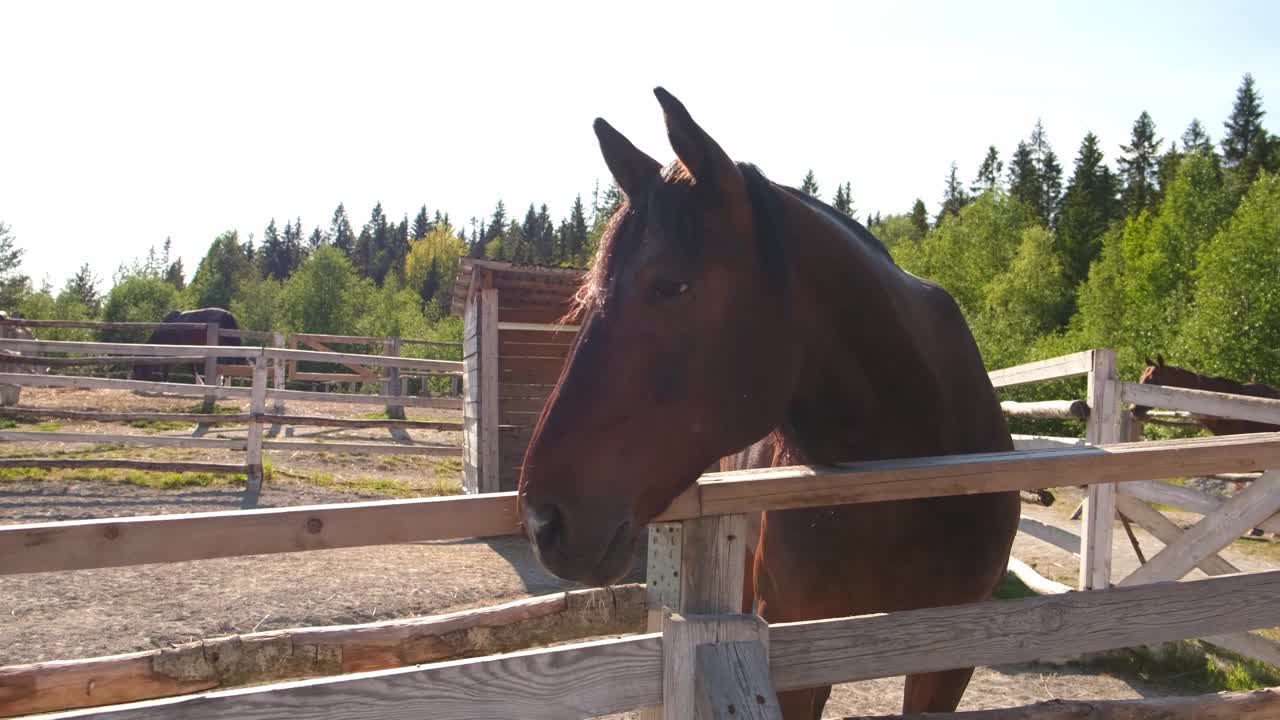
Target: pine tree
(316,239)
(1024,176)
(844,199)
(83,286)
(497,223)
(920,217)
(810,185)
(1140,165)
(343,237)
(1195,139)
(175,275)
(1244,128)
(272,260)
(575,240)
(13,284)
(1167,169)
(1089,207)
(421,224)
(545,241)
(954,197)
(988,172)
(1049,175)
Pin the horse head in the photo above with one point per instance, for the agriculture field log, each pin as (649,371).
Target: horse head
(683,354)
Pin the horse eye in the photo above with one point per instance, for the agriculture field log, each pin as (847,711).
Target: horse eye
(670,289)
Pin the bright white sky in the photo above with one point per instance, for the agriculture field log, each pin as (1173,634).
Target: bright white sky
(122,123)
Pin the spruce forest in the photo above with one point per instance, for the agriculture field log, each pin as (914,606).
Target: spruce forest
(1167,242)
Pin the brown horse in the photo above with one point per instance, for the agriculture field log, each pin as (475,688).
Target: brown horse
(1158,373)
(724,312)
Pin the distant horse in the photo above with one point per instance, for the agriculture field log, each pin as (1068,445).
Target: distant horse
(727,314)
(185,336)
(1158,373)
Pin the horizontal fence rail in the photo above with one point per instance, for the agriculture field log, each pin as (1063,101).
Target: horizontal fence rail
(596,678)
(85,544)
(1203,402)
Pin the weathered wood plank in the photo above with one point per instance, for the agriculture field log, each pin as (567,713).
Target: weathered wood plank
(712,564)
(529,370)
(119,464)
(490,374)
(731,681)
(1066,366)
(364,448)
(94,383)
(123,360)
(1167,532)
(1102,427)
(1239,514)
(115,542)
(681,637)
(253,450)
(99,325)
(1045,442)
(810,486)
(317,651)
(439,403)
(575,681)
(1047,409)
(317,421)
(823,652)
(140,440)
(538,327)
(1203,402)
(1251,705)
(123,417)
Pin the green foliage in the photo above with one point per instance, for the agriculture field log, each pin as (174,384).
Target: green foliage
(1139,166)
(810,185)
(326,295)
(1088,209)
(893,229)
(257,304)
(13,285)
(1234,327)
(66,306)
(137,298)
(225,267)
(843,201)
(1023,302)
(954,196)
(432,264)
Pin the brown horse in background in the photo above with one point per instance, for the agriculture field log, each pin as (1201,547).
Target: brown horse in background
(1158,373)
(727,314)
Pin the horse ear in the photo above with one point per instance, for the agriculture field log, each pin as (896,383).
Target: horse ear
(631,168)
(1160,360)
(1149,362)
(705,160)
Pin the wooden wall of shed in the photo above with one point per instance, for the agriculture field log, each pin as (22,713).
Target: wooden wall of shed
(529,363)
(471,400)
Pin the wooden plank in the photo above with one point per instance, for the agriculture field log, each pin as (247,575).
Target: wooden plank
(682,634)
(253,451)
(512,391)
(1051,534)
(149,465)
(211,365)
(278,374)
(362,372)
(489,375)
(98,325)
(394,387)
(1034,581)
(125,361)
(712,564)
(93,383)
(1103,427)
(364,448)
(547,350)
(1239,514)
(732,681)
(101,438)
(439,403)
(1252,704)
(1072,365)
(1203,402)
(341,339)
(335,377)
(1000,632)
(66,346)
(533,315)
(443,367)
(122,417)
(882,480)
(1247,644)
(513,406)
(529,370)
(536,337)
(116,542)
(315,421)
(316,651)
(574,681)
(1184,498)
(1047,409)
(538,327)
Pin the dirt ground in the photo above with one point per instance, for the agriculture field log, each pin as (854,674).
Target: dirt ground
(99,612)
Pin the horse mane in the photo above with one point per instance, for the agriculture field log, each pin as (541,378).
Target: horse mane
(767,215)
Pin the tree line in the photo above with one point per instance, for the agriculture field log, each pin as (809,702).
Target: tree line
(1175,249)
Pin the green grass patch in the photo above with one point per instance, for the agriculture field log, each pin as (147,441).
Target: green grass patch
(30,424)
(157,426)
(1011,588)
(217,409)
(156,480)
(439,487)
(1187,665)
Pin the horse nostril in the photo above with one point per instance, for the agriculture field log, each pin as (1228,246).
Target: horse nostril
(546,526)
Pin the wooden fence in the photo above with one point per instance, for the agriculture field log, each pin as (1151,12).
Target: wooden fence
(258,393)
(706,661)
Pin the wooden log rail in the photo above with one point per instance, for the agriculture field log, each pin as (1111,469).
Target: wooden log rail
(598,678)
(317,651)
(1203,402)
(1047,409)
(85,544)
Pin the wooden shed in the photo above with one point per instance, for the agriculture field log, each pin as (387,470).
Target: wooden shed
(514,347)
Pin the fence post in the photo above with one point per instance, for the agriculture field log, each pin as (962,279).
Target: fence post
(489,455)
(717,667)
(395,388)
(695,566)
(1103,427)
(211,339)
(277,382)
(253,449)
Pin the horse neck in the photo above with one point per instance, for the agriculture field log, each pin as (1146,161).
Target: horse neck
(865,389)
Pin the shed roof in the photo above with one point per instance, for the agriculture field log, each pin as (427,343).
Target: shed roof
(526,286)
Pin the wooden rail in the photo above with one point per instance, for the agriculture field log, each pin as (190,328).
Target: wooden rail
(1203,402)
(597,678)
(83,544)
